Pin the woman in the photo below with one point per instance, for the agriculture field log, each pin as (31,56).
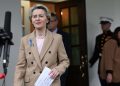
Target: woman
(110,63)
(39,49)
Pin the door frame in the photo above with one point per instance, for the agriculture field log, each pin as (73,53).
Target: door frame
(82,69)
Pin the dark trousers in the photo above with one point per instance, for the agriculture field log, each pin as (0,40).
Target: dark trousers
(115,84)
(63,78)
(103,82)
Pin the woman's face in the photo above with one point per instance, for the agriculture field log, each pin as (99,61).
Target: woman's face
(119,35)
(39,19)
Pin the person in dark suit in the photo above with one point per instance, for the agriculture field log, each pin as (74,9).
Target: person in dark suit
(101,39)
(66,41)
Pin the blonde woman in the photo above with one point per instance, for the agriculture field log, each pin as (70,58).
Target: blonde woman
(39,49)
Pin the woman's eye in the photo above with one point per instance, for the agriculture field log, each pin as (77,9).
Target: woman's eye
(41,15)
(34,16)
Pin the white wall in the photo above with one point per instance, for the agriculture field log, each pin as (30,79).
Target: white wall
(95,9)
(16,29)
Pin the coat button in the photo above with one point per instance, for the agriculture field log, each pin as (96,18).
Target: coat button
(49,51)
(34,72)
(31,62)
(46,62)
(40,71)
(29,52)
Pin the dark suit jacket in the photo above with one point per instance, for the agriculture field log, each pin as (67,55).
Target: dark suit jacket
(66,42)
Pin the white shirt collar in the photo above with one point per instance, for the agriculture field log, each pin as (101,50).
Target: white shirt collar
(55,30)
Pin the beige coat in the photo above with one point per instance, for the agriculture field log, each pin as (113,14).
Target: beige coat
(111,60)
(30,64)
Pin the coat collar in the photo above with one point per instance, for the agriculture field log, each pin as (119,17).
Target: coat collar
(48,41)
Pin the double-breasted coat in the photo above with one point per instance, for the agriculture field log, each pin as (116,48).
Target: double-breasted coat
(30,63)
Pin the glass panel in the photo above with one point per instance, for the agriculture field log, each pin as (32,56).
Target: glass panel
(75,35)
(66,30)
(65,17)
(74,15)
(75,56)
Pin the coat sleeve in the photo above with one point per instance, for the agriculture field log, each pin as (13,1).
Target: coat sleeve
(20,67)
(63,61)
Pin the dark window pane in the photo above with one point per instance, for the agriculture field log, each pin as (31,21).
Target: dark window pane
(75,35)
(74,15)
(75,56)
(65,17)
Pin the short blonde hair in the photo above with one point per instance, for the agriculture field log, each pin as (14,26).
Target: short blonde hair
(39,6)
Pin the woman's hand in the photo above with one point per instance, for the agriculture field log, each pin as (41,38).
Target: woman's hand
(109,78)
(54,73)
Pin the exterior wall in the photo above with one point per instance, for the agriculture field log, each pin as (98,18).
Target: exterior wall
(16,29)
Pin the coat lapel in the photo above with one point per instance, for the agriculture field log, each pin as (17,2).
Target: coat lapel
(34,48)
(47,43)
